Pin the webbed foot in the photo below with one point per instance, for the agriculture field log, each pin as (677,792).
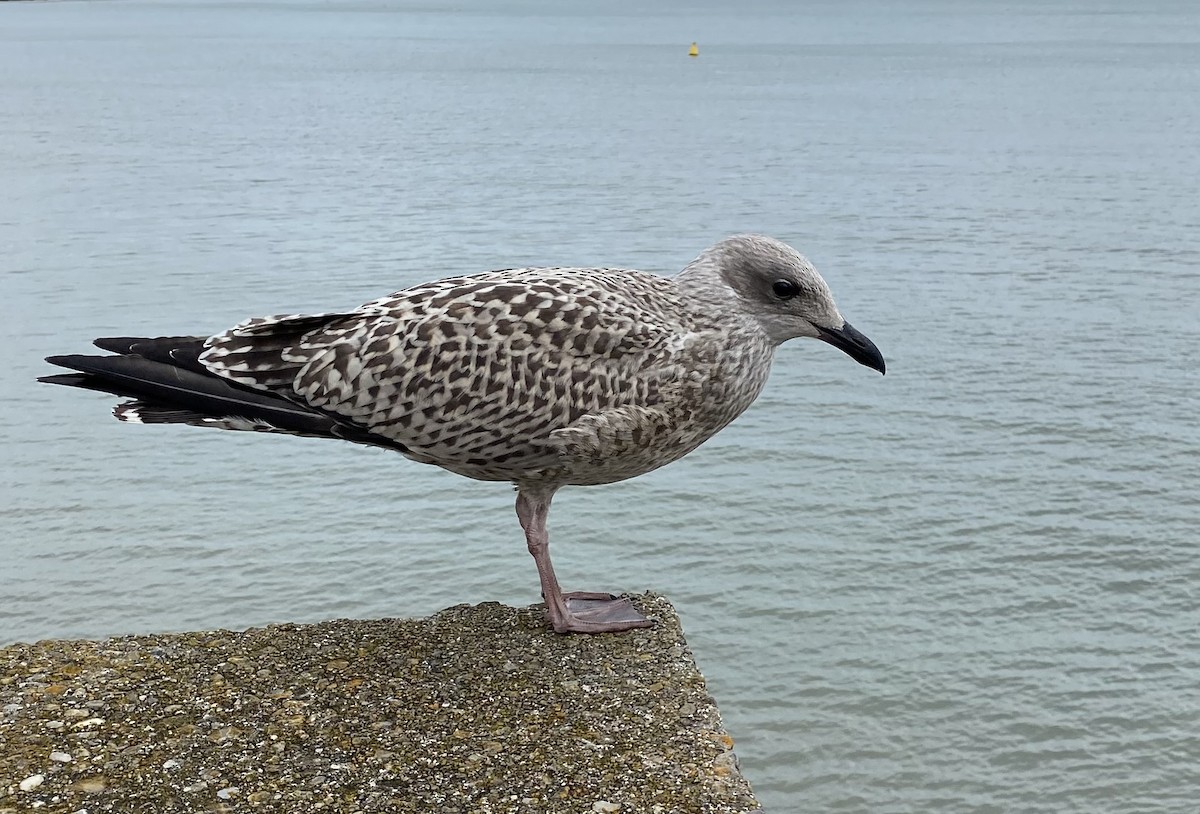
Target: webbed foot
(590,612)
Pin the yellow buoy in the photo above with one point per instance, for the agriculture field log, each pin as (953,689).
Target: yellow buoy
(694,51)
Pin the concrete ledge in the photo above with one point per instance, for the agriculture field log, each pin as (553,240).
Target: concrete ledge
(475,709)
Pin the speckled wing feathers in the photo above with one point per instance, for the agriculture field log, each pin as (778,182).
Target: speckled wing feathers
(481,374)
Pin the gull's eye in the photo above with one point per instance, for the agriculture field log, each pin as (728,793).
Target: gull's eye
(785,289)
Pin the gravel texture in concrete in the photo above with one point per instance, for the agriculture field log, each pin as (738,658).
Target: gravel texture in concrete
(475,709)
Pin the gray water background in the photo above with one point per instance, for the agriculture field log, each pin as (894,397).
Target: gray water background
(968,586)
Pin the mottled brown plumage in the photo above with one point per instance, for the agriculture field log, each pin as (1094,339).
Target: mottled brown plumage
(569,376)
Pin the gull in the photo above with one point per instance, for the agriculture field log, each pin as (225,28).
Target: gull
(543,377)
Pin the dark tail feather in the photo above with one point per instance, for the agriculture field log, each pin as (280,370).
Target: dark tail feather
(177,351)
(85,382)
(180,390)
(124,345)
(207,395)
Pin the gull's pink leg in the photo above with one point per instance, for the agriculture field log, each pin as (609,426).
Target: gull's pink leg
(578,612)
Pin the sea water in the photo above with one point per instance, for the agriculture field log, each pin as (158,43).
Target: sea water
(968,586)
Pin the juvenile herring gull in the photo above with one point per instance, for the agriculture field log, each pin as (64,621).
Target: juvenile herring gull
(545,377)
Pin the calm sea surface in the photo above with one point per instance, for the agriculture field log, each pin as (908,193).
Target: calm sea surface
(969,586)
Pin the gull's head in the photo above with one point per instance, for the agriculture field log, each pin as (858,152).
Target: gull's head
(781,290)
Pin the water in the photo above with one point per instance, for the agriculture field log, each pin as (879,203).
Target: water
(966,587)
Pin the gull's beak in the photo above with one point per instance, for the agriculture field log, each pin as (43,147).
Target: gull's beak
(848,339)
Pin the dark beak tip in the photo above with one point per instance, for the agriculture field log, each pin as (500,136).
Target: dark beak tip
(856,345)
